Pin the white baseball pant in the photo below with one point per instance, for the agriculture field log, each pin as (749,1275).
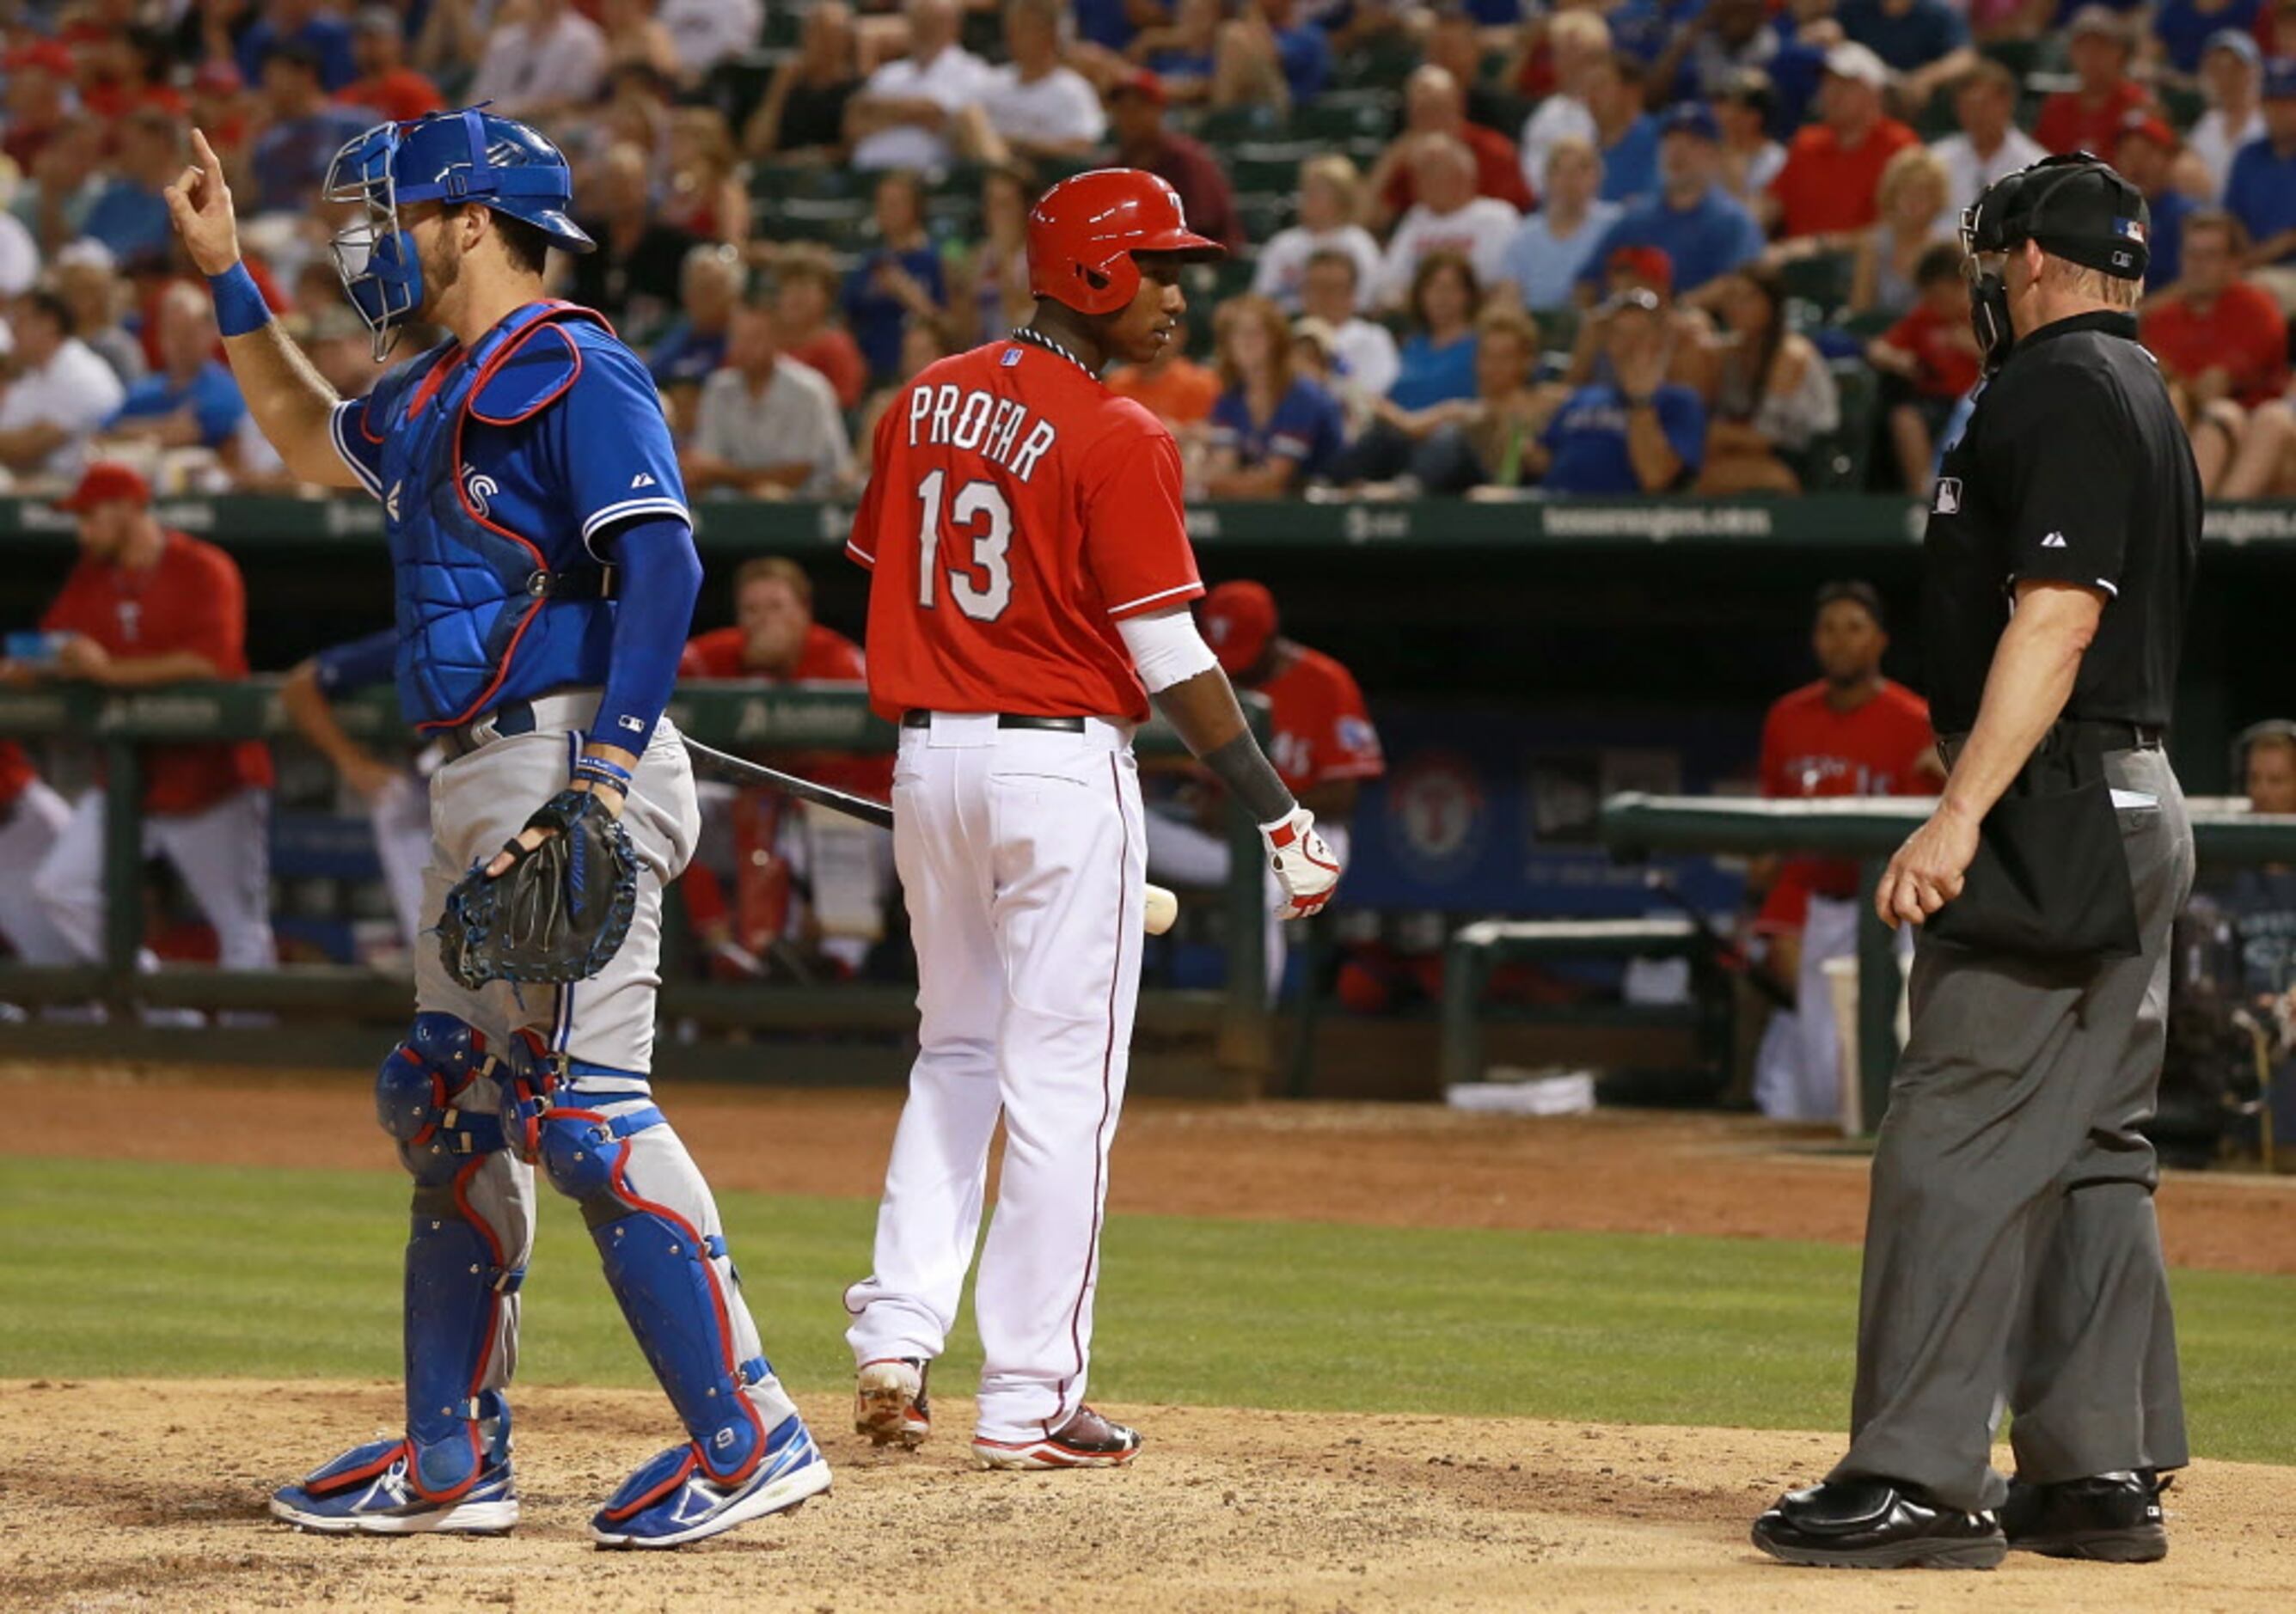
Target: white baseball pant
(222,852)
(400,814)
(28,831)
(1022,857)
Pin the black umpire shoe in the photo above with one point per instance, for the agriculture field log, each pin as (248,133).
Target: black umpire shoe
(2111,1518)
(1876,1524)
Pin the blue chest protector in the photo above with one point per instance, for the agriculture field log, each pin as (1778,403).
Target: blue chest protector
(487,614)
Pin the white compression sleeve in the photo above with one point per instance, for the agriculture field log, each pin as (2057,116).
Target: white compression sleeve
(1166,647)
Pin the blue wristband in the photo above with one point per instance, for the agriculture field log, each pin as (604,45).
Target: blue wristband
(239,304)
(598,770)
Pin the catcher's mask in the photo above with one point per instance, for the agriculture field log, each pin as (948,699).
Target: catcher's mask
(466,156)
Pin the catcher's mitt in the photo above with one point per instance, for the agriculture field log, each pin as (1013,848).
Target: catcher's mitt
(558,913)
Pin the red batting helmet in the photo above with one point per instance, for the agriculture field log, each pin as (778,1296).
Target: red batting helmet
(1083,234)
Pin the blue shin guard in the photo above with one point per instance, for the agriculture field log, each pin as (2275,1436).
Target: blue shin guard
(465,1253)
(669,1276)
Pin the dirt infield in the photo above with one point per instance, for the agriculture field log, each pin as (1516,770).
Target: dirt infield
(1625,1171)
(148,1496)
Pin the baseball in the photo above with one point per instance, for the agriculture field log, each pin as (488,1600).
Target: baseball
(1163,908)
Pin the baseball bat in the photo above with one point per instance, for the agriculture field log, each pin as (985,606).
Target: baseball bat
(1162,907)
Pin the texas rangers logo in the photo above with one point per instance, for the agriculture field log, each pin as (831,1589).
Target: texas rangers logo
(478,487)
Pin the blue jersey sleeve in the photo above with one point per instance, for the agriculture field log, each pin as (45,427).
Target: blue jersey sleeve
(358,663)
(607,446)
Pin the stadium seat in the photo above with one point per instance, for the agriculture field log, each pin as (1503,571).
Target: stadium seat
(1223,127)
(1339,119)
(1263,213)
(1820,280)
(1839,462)
(1269,166)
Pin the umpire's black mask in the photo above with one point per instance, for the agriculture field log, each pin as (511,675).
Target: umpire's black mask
(2075,208)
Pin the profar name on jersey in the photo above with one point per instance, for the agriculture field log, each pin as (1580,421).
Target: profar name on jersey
(973,421)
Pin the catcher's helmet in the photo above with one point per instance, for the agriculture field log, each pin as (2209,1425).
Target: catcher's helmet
(1083,233)
(463,156)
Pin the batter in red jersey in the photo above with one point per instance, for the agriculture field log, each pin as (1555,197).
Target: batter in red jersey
(1852,733)
(798,879)
(1030,599)
(144,608)
(1320,739)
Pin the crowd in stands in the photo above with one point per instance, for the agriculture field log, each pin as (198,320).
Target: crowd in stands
(1480,247)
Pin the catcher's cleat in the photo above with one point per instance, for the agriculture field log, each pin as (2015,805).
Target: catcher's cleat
(890,1404)
(1086,1441)
(672,1500)
(370,1491)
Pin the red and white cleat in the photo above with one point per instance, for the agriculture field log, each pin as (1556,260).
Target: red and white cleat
(1086,1441)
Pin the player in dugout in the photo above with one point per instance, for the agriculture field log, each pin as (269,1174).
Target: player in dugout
(1321,740)
(1850,732)
(142,608)
(765,841)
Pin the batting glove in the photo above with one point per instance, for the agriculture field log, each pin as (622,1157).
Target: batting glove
(1305,868)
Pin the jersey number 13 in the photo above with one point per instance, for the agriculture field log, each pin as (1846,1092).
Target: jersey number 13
(978,512)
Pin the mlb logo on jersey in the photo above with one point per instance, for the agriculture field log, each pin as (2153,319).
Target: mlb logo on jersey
(1948,497)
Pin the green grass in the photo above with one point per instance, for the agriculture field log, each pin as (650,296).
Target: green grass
(115,1269)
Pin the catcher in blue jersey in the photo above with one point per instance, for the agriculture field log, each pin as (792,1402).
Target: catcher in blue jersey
(545,575)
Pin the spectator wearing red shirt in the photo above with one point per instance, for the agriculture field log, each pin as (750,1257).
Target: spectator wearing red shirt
(1433,103)
(145,608)
(36,99)
(2089,118)
(2221,342)
(1830,184)
(1321,742)
(1852,733)
(806,285)
(1928,361)
(762,840)
(385,83)
(1135,115)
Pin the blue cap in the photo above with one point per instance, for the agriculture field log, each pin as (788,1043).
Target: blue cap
(2239,41)
(1690,118)
(2280,79)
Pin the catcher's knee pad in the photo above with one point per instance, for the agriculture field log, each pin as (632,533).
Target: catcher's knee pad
(461,1279)
(674,1284)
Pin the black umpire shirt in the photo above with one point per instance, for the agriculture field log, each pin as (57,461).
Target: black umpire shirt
(2073,468)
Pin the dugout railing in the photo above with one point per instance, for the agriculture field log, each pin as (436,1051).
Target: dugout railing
(744,718)
(1634,825)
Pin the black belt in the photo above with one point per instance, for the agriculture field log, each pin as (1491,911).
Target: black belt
(575,583)
(1060,726)
(2111,734)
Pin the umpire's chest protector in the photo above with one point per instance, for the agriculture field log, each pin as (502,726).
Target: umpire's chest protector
(477,622)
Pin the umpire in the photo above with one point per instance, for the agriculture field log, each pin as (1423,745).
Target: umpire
(2012,1257)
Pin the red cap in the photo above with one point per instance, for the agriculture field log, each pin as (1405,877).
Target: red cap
(1239,620)
(218,76)
(1141,83)
(52,55)
(2152,127)
(1652,264)
(104,481)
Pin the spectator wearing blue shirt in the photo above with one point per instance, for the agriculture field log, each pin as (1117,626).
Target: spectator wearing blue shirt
(290,157)
(304,24)
(190,401)
(2261,191)
(1625,135)
(1437,361)
(2184,27)
(1270,41)
(710,285)
(129,215)
(2146,156)
(1270,430)
(1704,230)
(1639,433)
(1556,242)
(1924,41)
(901,279)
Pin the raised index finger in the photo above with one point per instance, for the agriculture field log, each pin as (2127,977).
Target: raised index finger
(206,153)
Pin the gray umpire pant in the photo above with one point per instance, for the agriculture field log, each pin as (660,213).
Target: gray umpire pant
(2012,1257)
